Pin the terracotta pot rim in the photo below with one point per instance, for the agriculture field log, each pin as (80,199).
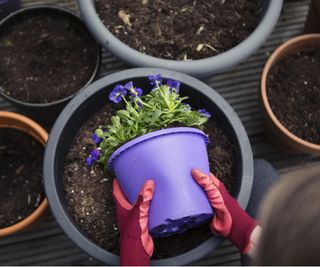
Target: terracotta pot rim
(263,88)
(42,137)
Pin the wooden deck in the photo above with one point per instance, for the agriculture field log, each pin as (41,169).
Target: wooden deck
(48,245)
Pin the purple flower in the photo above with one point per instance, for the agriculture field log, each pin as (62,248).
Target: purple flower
(89,161)
(96,139)
(204,113)
(187,106)
(174,84)
(93,157)
(117,93)
(129,86)
(95,154)
(135,92)
(155,80)
(140,105)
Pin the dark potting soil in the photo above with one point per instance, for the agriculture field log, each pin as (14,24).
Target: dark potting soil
(180,29)
(89,191)
(21,183)
(45,57)
(293,88)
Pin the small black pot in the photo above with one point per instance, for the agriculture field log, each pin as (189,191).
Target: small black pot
(8,6)
(201,67)
(88,102)
(312,24)
(46,113)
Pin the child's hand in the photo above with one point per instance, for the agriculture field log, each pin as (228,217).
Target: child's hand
(230,220)
(136,245)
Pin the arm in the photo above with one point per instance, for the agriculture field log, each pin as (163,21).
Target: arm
(136,245)
(230,220)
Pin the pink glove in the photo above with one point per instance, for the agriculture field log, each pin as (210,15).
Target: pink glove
(230,220)
(136,245)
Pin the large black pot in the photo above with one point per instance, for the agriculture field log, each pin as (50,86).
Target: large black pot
(201,67)
(8,6)
(46,113)
(93,98)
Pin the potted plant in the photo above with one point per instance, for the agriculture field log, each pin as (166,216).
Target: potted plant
(47,56)
(67,179)
(289,94)
(22,197)
(199,38)
(143,140)
(8,6)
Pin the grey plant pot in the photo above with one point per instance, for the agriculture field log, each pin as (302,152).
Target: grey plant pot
(200,68)
(93,98)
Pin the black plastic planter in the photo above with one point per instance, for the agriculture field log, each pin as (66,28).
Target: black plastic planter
(199,68)
(8,6)
(46,113)
(93,98)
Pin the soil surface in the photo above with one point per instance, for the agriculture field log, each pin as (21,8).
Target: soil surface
(21,183)
(293,88)
(45,57)
(89,191)
(180,29)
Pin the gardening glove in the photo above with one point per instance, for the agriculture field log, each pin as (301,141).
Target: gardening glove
(230,220)
(136,245)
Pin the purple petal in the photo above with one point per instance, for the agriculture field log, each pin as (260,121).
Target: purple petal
(174,84)
(117,93)
(204,113)
(95,154)
(139,91)
(96,139)
(188,107)
(155,79)
(89,161)
(129,86)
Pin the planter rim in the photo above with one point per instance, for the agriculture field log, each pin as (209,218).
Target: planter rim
(68,13)
(169,131)
(42,137)
(199,67)
(55,200)
(276,55)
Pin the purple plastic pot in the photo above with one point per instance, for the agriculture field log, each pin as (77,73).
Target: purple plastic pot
(8,6)
(167,157)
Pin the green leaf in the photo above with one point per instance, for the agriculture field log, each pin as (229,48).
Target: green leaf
(155,115)
(123,114)
(99,133)
(115,121)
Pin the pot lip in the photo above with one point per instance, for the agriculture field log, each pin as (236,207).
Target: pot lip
(276,55)
(42,136)
(70,15)
(61,125)
(143,138)
(200,67)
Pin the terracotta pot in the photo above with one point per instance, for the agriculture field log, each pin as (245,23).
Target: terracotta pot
(274,128)
(22,123)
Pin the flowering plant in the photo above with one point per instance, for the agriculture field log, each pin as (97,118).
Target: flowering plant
(159,109)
